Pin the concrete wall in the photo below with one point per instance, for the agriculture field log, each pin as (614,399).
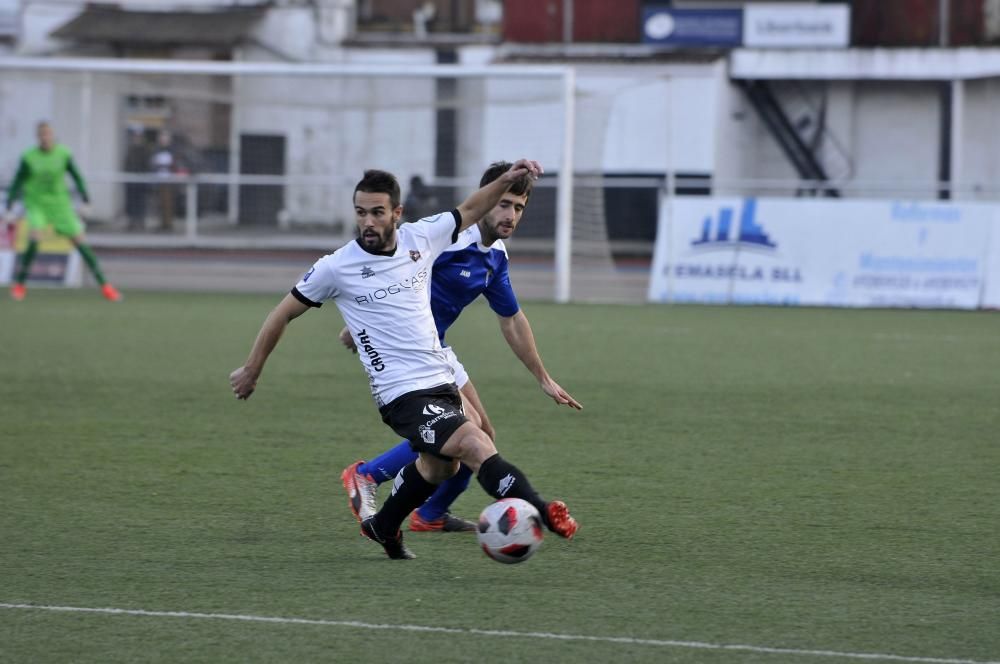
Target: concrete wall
(745,150)
(978,174)
(882,137)
(896,134)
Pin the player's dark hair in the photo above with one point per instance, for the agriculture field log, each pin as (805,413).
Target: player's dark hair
(522,185)
(380,182)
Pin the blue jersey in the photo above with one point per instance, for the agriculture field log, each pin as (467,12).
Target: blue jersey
(465,270)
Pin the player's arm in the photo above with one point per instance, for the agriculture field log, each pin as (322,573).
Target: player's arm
(244,379)
(17,184)
(74,173)
(517,331)
(485,199)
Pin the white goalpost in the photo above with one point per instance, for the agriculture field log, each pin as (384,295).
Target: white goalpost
(267,154)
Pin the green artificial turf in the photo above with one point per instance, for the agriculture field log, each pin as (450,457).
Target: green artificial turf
(800,479)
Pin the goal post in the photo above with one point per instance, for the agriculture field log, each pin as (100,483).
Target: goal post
(267,154)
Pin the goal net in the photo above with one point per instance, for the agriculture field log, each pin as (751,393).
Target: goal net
(266,156)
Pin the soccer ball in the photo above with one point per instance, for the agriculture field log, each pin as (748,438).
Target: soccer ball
(510,530)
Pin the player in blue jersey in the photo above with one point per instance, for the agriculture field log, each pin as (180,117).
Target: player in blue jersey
(476,264)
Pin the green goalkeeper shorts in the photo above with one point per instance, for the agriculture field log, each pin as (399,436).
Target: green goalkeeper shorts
(60,216)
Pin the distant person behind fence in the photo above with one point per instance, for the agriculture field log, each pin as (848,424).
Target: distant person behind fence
(420,200)
(163,163)
(136,193)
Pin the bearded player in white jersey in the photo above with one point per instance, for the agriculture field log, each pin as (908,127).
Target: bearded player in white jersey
(380,283)
(476,265)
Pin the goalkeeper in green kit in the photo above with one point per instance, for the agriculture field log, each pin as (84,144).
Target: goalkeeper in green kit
(41,177)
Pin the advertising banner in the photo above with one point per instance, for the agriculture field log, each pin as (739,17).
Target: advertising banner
(796,26)
(57,262)
(692,27)
(7,255)
(991,289)
(821,252)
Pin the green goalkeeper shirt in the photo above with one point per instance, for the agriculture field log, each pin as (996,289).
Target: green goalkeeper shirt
(41,176)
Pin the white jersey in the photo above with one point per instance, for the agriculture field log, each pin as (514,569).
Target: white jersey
(385,301)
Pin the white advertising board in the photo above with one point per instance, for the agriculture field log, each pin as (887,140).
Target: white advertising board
(796,26)
(7,258)
(991,289)
(822,252)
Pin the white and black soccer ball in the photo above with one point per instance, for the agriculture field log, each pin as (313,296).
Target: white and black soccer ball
(510,530)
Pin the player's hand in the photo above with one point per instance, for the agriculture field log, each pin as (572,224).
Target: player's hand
(521,167)
(243,382)
(348,341)
(488,429)
(559,395)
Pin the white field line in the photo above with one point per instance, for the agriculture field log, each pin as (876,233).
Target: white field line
(502,633)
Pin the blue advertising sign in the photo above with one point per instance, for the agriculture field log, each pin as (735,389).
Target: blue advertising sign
(692,27)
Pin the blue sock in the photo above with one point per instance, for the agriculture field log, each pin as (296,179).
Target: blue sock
(386,465)
(446,493)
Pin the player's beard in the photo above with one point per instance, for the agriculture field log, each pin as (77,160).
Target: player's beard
(373,239)
(496,230)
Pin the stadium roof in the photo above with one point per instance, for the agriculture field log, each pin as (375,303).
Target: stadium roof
(217,26)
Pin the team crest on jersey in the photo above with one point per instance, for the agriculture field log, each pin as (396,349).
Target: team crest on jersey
(367,272)
(414,255)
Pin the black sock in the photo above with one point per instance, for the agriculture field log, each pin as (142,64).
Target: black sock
(409,491)
(26,260)
(502,479)
(91,260)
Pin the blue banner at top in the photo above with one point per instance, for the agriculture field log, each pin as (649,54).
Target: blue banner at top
(692,27)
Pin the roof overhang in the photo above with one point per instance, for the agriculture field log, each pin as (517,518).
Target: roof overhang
(112,24)
(883,64)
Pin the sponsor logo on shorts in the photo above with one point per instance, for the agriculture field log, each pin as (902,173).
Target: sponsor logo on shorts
(446,415)
(427,428)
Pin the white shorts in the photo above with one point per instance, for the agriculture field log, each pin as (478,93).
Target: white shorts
(461,377)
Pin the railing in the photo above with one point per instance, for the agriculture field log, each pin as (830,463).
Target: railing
(315,210)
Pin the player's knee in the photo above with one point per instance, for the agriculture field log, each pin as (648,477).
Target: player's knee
(476,447)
